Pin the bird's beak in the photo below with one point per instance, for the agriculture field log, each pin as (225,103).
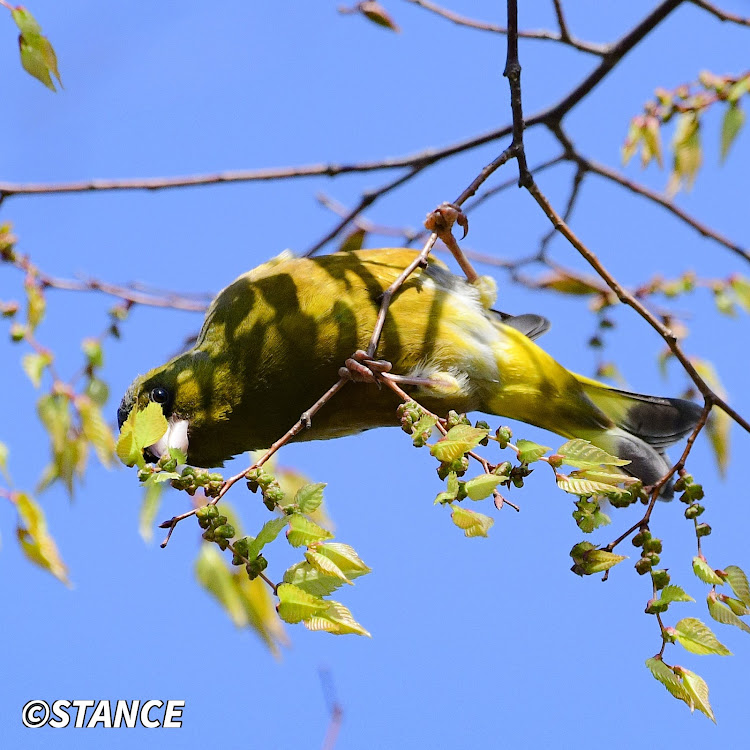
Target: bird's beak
(176,436)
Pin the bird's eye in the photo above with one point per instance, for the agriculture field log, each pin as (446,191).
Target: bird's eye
(159,395)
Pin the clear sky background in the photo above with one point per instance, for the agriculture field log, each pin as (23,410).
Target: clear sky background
(476,642)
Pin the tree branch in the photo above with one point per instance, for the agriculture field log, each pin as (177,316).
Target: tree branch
(720,14)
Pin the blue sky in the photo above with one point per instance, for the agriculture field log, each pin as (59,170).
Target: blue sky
(476,642)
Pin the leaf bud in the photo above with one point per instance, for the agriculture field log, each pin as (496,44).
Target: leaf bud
(660,578)
(656,606)
(652,545)
(504,436)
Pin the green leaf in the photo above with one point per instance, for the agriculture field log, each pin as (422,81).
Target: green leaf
(582,454)
(307,578)
(741,288)
(35,540)
(734,604)
(325,565)
(458,441)
(472,523)
(611,478)
(37,54)
(451,490)
(296,605)
(705,572)
(482,486)
(310,496)
(739,89)
(635,134)
(698,638)
(142,428)
(345,558)
(697,689)
(723,614)
(213,574)
(587,488)
(737,581)
(178,455)
(687,150)
(304,532)
(271,529)
(96,430)
(669,679)
(36,304)
(673,593)
(336,619)
(734,118)
(528,451)
(4,462)
(34,365)
(599,560)
(150,504)
(25,21)
(422,430)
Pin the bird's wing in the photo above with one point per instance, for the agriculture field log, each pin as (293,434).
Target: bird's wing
(528,324)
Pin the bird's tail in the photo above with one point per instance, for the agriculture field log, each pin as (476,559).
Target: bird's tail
(644,427)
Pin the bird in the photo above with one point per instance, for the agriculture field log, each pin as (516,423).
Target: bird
(274,340)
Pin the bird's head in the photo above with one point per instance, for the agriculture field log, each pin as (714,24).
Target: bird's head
(192,401)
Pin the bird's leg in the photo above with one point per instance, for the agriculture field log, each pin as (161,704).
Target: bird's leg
(441,221)
(363,369)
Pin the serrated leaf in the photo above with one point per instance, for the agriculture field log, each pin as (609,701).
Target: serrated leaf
(670,680)
(325,565)
(304,576)
(604,477)
(336,619)
(705,572)
(36,542)
(633,138)
(34,366)
(271,529)
(422,429)
(345,557)
(719,423)
(353,241)
(587,488)
(723,614)
(584,455)
(697,689)
(304,532)
(26,23)
(737,581)
(150,504)
(734,119)
(142,428)
(178,455)
(651,146)
(739,89)
(472,523)
(96,430)
(687,151)
(735,605)
(673,593)
(599,560)
(310,496)
(482,486)
(458,441)
(528,451)
(296,605)
(698,638)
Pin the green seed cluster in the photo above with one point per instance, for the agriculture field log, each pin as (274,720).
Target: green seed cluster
(273,495)
(216,527)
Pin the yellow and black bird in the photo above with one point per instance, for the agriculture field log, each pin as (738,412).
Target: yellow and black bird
(273,341)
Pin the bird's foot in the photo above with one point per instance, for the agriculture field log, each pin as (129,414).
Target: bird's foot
(360,368)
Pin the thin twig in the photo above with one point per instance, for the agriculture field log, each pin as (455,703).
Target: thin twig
(634,187)
(544,35)
(721,14)
(365,202)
